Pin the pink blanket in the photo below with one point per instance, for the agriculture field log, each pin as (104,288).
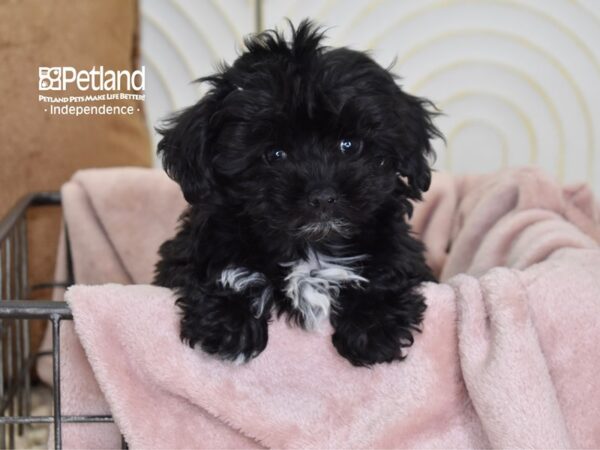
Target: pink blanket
(507,358)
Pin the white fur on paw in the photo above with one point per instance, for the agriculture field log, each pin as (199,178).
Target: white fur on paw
(239,360)
(240,279)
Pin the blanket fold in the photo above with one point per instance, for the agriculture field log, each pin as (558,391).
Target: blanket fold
(504,359)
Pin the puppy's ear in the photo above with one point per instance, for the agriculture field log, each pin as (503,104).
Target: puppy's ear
(414,116)
(185,149)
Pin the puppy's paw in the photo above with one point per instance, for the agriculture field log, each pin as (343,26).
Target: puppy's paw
(224,325)
(375,330)
(368,345)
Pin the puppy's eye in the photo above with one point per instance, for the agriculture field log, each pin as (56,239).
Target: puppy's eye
(275,155)
(381,161)
(348,146)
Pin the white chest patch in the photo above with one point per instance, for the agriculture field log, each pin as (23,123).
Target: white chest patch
(313,285)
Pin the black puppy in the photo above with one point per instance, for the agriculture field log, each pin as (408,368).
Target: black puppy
(299,166)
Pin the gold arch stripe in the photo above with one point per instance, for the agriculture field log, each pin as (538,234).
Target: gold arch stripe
(468,123)
(410,16)
(324,10)
(587,115)
(232,28)
(531,134)
(531,82)
(580,97)
(156,68)
(214,54)
(583,46)
(592,13)
(292,9)
(361,14)
(165,35)
(447,3)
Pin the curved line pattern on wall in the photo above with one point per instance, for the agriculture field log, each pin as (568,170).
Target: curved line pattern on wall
(230,25)
(527,65)
(418,87)
(469,123)
(553,50)
(512,106)
(183,40)
(153,67)
(578,91)
(581,98)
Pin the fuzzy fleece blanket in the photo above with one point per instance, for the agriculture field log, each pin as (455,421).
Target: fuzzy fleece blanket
(507,357)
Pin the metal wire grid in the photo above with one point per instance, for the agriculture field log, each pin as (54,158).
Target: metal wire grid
(16,360)
(14,351)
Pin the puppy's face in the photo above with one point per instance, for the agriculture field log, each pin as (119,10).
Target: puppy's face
(306,141)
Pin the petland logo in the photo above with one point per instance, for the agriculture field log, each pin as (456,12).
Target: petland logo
(96,79)
(101,92)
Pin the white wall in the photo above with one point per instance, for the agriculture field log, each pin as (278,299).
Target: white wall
(518,81)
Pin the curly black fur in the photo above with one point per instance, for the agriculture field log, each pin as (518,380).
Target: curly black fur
(298,150)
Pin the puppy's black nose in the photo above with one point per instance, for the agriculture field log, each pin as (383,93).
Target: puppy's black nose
(323,198)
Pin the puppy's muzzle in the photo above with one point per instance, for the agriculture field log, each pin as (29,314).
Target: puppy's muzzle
(322,199)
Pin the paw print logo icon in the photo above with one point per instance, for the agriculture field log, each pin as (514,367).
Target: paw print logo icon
(50,79)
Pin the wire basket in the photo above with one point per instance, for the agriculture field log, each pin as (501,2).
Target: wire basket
(16,313)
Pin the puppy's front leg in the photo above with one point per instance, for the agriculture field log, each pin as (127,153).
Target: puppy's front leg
(228,317)
(373,324)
